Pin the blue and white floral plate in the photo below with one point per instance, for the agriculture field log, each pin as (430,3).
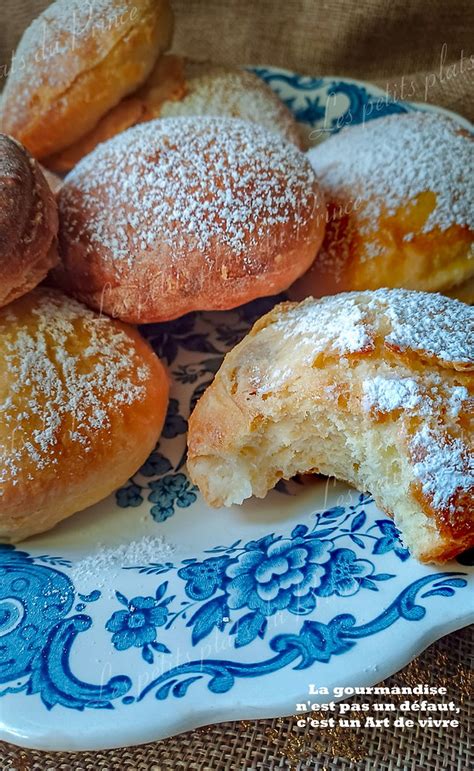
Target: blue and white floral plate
(212,615)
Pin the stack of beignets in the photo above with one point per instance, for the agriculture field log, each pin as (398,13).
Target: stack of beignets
(85,72)
(82,397)
(188,191)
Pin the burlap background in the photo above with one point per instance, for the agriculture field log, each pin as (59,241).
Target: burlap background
(421,49)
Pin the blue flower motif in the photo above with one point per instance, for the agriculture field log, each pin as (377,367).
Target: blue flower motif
(170,490)
(175,424)
(277,573)
(390,540)
(155,465)
(136,626)
(344,574)
(312,112)
(129,496)
(165,337)
(204,578)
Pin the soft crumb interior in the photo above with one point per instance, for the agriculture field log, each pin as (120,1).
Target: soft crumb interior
(368,388)
(370,457)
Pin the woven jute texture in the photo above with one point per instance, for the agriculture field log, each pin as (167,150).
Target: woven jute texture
(280,744)
(419,50)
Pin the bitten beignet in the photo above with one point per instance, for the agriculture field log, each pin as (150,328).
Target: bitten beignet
(82,402)
(184,214)
(399,194)
(375,388)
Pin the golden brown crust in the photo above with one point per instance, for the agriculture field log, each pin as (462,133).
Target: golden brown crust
(82,398)
(463,292)
(28,222)
(233,92)
(374,388)
(186,214)
(182,87)
(398,194)
(121,117)
(95,55)
(165,83)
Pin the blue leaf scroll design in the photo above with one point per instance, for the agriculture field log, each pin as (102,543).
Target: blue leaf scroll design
(313,98)
(363,106)
(37,632)
(315,642)
(36,636)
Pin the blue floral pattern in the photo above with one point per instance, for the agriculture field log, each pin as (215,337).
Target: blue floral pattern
(390,540)
(323,110)
(203,578)
(245,583)
(237,589)
(278,573)
(346,574)
(313,577)
(161,481)
(137,626)
(170,490)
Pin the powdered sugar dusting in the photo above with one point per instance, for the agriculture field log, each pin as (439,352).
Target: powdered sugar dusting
(459,398)
(229,91)
(443,462)
(388,162)
(145,550)
(337,323)
(439,329)
(429,323)
(387,394)
(444,466)
(58,393)
(188,183)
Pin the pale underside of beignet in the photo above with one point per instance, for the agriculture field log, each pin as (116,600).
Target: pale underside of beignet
(374,388)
